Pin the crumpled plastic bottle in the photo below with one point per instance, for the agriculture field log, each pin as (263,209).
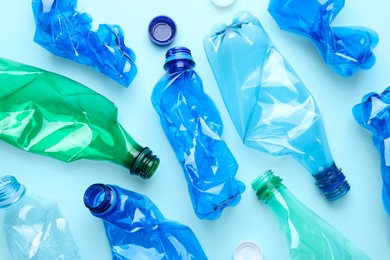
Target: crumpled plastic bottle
(32,228)
(308,235)
(45,113)
(65,32)
(344,49)
(373,113)
(194,127)
(271,108)
(135,227)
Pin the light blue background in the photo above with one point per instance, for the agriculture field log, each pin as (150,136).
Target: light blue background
(359,216)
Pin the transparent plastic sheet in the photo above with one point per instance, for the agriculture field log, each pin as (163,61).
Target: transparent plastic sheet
(136,229)
(373,113)
(45,113)
(271,108)
(194,128)
(34,229)
(67,33)
(309,236)
(345,49)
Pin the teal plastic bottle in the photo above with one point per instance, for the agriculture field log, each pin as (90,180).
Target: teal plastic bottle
(32,228)
(308,235)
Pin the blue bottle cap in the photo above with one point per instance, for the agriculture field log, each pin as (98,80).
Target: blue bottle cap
(162,30)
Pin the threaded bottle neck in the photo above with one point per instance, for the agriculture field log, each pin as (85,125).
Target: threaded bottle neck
(332,183)
(177,59)
(100,199)
(144,164)
(267,185)
(11,191)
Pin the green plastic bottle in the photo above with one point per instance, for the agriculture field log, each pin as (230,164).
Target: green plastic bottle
(45,113)
(308,235)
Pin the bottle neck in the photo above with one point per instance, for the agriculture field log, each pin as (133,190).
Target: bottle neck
(144,163)
(332,183)
(178,65)
(100,199)
(267,186)
(270,190)
(178,59)
(11,191)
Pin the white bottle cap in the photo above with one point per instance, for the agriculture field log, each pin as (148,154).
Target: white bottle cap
(248,251)
(223,3)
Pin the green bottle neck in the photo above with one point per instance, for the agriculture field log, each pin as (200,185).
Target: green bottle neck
(143,163)
(270,190)
(138,159)
(267,186)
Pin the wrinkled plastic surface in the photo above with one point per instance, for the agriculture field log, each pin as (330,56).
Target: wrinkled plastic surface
(45,113)
(67,33)
(345,49)
(136,229)
(36,230)
(309,236)
(271,108)
(373,113)
(194,127)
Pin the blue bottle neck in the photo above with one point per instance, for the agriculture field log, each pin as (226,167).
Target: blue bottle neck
(178,65)
(332,183)
(100,199)
(178,59)
(11,191)
(122,208)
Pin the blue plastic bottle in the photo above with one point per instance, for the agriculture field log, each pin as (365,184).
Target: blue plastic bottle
(32,228)
(345,49)
(67,33)
(271,108)
(194,127)
(373,113)
(136,229)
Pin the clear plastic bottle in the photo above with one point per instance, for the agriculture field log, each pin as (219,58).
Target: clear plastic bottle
(271,108)
(136,229)
(33,229)
(194,127)
(308,235)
